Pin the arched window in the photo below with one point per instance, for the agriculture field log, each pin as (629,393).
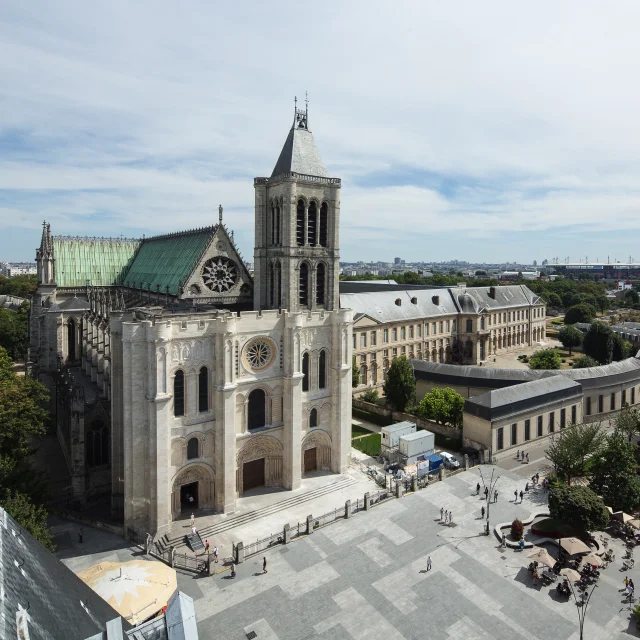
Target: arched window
(71,340)
(305,371)
(304,284)
(300,223)
(97,444)
(363,374)
(313,418)
(322,370)
(320,283)
(323,224)
(312,225)
(257,414)
(203,390)
(193,449)
(374,373)
(178,394)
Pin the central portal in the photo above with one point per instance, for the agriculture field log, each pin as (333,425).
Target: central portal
(189,496)
(253,474)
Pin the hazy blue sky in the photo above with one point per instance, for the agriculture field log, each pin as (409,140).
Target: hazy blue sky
(485,131)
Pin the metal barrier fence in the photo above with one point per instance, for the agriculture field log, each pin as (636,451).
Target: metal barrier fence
(329,518)
(260,545)
(197,564)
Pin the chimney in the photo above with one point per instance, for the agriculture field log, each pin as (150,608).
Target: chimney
(414,300)
(435,300)
(399,302)
(492,293)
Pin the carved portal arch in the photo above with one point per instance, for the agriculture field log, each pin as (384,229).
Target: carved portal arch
(199,473)
(256,448)
(316,451)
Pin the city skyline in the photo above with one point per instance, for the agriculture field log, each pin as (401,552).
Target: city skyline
(512,143)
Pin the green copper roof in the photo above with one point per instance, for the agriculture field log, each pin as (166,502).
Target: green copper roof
(96,261)
(167,260)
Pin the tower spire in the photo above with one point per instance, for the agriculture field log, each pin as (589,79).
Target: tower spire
(220,214)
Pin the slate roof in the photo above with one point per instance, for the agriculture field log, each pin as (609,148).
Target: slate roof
(509,401)
(58,604)
(300,155)
(382,307)
(74,304)
(167,260)
(477,299)
(96,261)
(364,286)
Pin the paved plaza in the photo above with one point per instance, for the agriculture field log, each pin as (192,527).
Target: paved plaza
(367,578)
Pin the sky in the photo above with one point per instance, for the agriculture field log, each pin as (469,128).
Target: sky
(485,131)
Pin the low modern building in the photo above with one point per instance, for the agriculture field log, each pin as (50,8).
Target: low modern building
(452,325)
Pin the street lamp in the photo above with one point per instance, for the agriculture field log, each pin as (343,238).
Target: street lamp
(582,602)
(491,487)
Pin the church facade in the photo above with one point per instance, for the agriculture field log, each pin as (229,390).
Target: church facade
(181,382)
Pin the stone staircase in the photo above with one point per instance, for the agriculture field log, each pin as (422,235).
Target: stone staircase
(250,516)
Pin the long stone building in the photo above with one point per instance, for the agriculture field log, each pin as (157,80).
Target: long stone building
(181,382)
(451,325)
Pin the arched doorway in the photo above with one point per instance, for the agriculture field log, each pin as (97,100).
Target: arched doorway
(316,452)
(259,463)
(256,409)
(192,488)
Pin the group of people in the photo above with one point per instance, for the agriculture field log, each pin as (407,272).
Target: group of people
(206,542)
(446,516)
(486,493)
(522,456)
(629,586)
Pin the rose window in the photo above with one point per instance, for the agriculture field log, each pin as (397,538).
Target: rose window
(219,274)
(259,354)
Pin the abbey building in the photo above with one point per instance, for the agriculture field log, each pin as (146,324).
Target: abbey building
(181,382)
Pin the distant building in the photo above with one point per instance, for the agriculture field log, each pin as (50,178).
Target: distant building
(600,270)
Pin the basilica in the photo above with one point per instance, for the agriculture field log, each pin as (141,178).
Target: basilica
(180,380)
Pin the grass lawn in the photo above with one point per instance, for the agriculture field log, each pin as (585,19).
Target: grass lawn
(368,444)
(357,430)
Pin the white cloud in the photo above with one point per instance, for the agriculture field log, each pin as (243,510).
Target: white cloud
(146,115)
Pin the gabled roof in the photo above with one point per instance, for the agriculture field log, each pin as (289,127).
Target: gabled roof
(478,299)
(300,155)
(53,601)
(166,261)
(95,261)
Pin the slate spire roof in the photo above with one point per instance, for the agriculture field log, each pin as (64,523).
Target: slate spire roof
(300,153)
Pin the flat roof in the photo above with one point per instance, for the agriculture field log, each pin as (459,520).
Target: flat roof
(418,435)
(397,426)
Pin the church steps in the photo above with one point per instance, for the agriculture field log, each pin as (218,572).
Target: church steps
(245,518)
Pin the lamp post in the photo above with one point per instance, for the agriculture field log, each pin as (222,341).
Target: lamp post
(491,487)
(582,602)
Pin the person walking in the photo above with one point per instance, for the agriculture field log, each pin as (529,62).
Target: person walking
(428,563)
(80,535)
(633,586)
(626,582)
(482,512)
(527,458)
(486,492)
(515,494)
(441,513)
(264,565)
(193,529)
(206,545)
(215,554)
(193,519)
(518,454)
(450,517)
(446,516)
(495,496)
(233,570)
(521,495)
(478,489)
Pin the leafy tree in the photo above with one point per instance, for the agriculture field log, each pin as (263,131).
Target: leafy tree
(582,312)
(545,359)
(627,422)
(355,373)
(400,385)
(632,296)
(19,286)
(442,405)
(578,507)
(603,345)
(614,475)
(622,349)
(570,337)
(28,515)
(570,450)
(582,362)
(14,332)
(553,300)
(371,396)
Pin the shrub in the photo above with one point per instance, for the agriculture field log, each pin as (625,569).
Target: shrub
(545,359)
(517,529)
(371,396)
(582,362)
(578,507)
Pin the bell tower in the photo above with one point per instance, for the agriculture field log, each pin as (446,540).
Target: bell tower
(297,221)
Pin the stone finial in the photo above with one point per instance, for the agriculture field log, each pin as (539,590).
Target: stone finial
(220,213)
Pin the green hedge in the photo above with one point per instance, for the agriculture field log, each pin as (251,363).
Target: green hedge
(383,421)
(369,444)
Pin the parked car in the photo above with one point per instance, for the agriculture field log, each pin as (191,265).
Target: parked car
(449,460)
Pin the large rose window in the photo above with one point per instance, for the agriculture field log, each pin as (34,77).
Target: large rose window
(220,274)
(259,353)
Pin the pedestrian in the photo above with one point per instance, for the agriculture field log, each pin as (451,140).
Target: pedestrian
(527,458)
(80,535)
(193,529)
(495,496)
(450,517)
(428,563)
(515,493)
(264,565)
(233,570)
(482,512)
(537,477)
(446,516)
(533,479)
(518,454)
(478,489)
(629,591)
(193,519)
(206,545)
(626,582)
(504,540)
(633,586)
(441,514)
(526,487)
(521,495)
(486,492)
(215,553)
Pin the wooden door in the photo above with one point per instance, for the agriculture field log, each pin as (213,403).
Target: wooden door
(310,460)
(253,474)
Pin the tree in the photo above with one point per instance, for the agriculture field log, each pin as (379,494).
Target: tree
(622,349)
(355,373)
(14,332)
(614,475)
(627,422)
(28,515)
(442,405)
(570,337)
(554,300)
(582,362)
(371,395)
(400,385)
(582,312)
(599,343)
(570,450)
(578,507)
(632,297)
(517,529)
(545,359)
